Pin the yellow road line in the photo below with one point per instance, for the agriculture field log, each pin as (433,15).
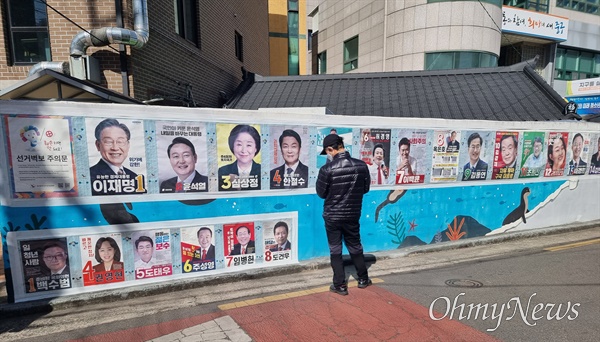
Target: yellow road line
(283,296)
(572,245)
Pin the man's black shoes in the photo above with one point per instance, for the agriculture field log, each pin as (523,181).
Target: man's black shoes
(362,283)
(341,290)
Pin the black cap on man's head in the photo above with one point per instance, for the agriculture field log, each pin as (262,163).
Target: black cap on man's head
(330,140)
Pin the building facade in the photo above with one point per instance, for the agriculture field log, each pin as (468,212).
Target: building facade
(376,36)
(288,37)
(194,54)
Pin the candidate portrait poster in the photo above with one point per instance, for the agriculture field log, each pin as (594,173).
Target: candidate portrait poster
(411,163)
(322,132)
(197,249)
(117,157)
(182,156)
(152,253)
(289,162)
(446,149)
(533,154)
(102,259)
(476,154)
(578,153)
(557,154)
(278,237)
(374,149)
(239,157)
(41,156)
(239,244)
(45,264)
(594,168)
(506,149)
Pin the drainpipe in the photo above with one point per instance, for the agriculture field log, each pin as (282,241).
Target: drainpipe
(62,67)
(115,35)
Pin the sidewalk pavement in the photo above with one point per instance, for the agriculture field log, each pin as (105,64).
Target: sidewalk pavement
(302,315)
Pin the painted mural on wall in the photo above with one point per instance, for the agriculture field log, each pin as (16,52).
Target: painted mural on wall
(190,168)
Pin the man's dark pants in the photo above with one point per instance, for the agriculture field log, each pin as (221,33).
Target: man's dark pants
(350,232)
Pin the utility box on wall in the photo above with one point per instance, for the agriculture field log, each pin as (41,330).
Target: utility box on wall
(85,68)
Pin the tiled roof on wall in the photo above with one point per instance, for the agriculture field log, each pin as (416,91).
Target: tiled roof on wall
(514,93)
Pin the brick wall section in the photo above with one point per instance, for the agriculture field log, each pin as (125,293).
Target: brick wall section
(168,61)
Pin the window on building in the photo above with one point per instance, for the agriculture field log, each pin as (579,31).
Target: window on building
(239,46)
(186,20)
(309,39)
(28,30)
(322,57)
(573,64)
(293,39)
(351,54)
(459,60)
(532,5)
(585,6)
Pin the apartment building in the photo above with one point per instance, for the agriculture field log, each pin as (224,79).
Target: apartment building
(175,52)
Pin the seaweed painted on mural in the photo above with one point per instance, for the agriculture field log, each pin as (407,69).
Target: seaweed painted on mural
(454,232)
(397,227)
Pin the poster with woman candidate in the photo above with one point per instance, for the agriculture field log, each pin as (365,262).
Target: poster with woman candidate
(289,165)
(152,257)
(277,236)
(411,163)
(45,264)
(117,156)
(182,156)
(506,149)
(197,249)
(239,244)
(322,132)
(557,154)
(446,149)
(239,158)
(578,153)
(41,156)
(101,259)
(375,151)
(475,155)
(594,168)
(533,155)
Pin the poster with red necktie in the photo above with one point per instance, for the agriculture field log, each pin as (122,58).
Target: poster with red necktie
(375,151)
(197,249)
(239,244)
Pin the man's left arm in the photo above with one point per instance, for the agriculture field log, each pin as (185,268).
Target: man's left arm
(322,186)
(367,179)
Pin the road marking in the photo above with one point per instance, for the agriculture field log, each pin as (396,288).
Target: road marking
(283,296)
(572,245)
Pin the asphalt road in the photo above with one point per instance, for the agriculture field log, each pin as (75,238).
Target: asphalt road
(561,287)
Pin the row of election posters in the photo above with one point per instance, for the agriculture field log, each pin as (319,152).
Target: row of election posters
(62,156)
(97,259)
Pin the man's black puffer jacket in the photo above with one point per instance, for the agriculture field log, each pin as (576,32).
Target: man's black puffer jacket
(342,183)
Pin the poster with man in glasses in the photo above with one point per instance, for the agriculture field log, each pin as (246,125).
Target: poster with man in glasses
(45,264)
(113,171)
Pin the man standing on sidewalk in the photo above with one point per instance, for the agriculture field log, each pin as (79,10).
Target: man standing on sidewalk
(342,183)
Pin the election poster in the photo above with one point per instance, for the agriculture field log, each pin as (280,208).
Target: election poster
(594,168)
(557,154)
(375,151)
(101,259)
(239,244)
(41,156)
(411,163)
(322,132)
(277,237)
(533,155)
(446,149)
(45,264)
(239,157)
(182,156)
(506,150)
(476,154)
(579,153)
(289,163)
(152,257)
(197,249)
(117,156)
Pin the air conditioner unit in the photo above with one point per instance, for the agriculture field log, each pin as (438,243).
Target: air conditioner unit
(85,68)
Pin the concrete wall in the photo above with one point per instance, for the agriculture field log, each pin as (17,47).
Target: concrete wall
(394,215)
